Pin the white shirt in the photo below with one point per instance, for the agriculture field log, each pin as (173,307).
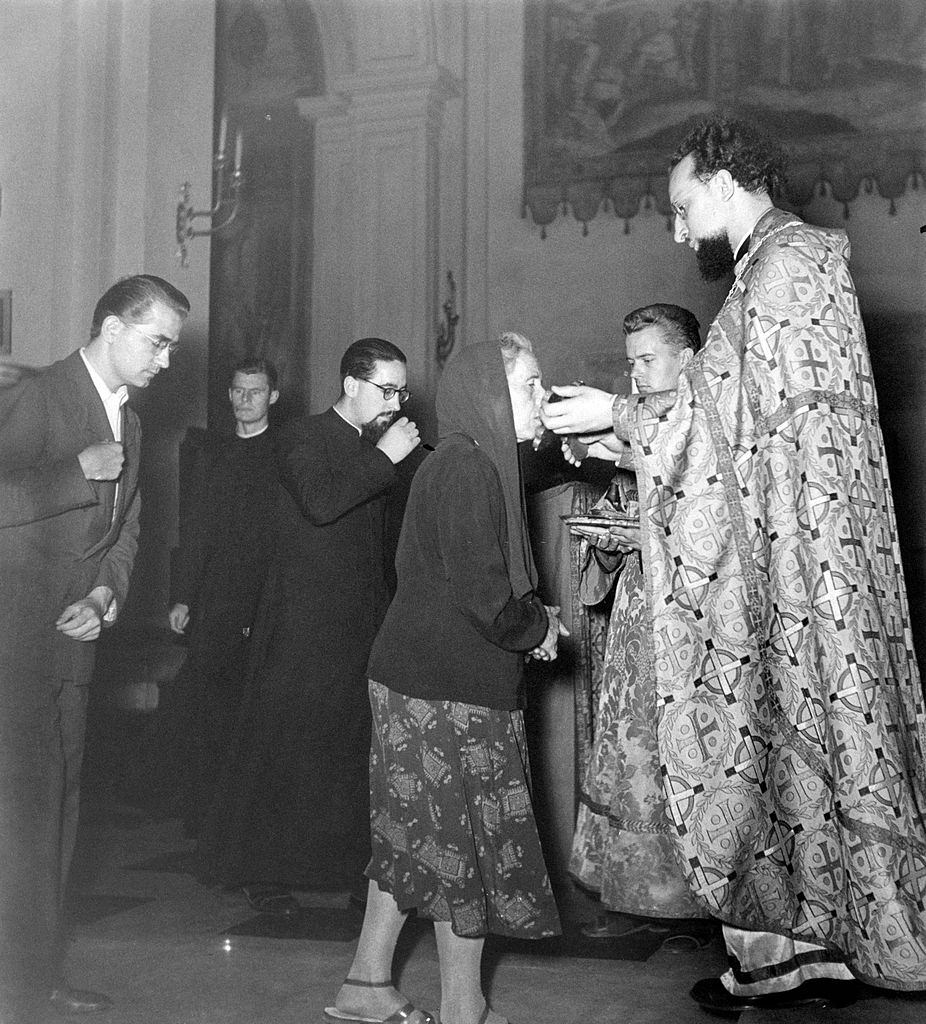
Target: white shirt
(113,401)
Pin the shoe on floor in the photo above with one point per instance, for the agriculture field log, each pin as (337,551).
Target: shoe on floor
(78,1000)
(407,1014)
(272,899)
(688,937)
(711,995)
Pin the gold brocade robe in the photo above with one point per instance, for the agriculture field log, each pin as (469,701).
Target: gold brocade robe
(790,715)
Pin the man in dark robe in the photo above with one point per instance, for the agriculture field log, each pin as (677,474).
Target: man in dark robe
(69,521)
(294,807)
(226,546)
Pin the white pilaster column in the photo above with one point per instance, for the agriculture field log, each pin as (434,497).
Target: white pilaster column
(376,223)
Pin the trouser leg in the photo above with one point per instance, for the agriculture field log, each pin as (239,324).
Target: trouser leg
(30,777)
(764,962)
(72,705)
(72,717)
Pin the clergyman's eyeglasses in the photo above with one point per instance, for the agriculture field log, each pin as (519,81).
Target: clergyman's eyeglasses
(388,391)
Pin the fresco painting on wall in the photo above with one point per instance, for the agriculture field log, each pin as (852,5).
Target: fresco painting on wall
(612,85)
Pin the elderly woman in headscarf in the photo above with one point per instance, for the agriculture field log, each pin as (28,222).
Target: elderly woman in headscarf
(453,830)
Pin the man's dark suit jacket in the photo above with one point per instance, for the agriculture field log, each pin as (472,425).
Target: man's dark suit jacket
(59,536)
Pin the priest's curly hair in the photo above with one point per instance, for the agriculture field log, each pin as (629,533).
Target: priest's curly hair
(722,143)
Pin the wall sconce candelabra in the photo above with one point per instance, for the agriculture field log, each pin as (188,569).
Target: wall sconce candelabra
(227,196)
(447,330)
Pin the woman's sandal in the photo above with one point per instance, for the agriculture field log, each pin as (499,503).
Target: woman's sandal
(401,1016)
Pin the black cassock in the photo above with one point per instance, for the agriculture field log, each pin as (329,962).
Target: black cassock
(227,543)
(292,806)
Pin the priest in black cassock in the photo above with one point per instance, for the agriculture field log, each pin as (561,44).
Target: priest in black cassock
(293,807)
(226,547)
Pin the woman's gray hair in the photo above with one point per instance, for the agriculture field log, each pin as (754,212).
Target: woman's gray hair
(512,345)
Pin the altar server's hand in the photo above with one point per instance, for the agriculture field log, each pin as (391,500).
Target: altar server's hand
(612,539)
(607,446)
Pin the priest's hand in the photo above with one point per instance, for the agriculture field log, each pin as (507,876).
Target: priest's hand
(399,440)
(580,410)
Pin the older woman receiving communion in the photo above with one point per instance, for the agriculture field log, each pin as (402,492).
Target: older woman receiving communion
(453,829)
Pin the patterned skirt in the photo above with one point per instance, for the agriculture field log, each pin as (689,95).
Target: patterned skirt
(452,826)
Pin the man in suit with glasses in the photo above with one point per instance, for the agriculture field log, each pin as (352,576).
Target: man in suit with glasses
(69,454)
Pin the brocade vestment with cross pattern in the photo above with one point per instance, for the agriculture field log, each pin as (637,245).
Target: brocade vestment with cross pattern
(790,714)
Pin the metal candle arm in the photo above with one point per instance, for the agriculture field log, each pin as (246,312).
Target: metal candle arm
(186,214)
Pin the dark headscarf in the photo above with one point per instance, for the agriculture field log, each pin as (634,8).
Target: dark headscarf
(473,399)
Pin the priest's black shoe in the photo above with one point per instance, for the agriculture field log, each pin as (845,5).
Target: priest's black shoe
(78,1000)
(710,995)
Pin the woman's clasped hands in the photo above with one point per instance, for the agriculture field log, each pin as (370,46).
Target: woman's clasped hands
(547,649)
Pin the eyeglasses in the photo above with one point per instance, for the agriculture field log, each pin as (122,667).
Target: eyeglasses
(389,392)
(158,344)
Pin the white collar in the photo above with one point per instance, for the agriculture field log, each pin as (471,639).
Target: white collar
(257,433)
(118,398)
(346,420)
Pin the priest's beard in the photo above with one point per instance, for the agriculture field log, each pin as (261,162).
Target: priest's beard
(374,429)
(715,257)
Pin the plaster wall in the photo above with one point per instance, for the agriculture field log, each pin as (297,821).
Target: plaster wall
(105,107)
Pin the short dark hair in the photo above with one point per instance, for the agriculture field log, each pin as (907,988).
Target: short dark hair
(681,326)
(131,299)
(361,358)
(721,143)
(255,364)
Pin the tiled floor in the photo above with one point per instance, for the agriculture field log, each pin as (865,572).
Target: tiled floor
(169,951)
